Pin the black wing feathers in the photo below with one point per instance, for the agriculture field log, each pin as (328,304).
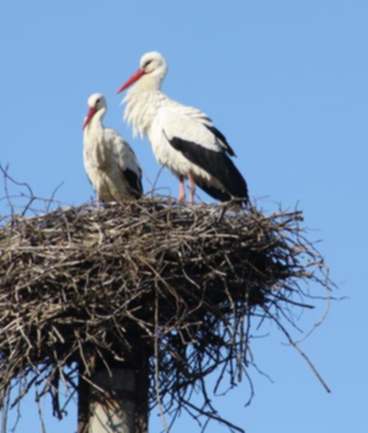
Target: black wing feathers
(135,183)
(213,192)
(217,164)
(220,136)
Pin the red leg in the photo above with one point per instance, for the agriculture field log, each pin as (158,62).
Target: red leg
(191,186)
(182,189)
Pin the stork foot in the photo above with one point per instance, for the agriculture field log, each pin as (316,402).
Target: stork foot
(181,196)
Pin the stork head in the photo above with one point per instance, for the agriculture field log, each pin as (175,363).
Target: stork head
(96,103)
(152,69)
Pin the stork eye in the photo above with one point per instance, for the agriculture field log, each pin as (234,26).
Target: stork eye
(147,63)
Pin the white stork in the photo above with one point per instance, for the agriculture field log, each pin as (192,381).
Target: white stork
(110,163)
(183,138)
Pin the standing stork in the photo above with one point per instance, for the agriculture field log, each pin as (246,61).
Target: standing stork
(110,163)
(183,138)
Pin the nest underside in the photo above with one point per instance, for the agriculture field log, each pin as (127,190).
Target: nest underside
(79,286)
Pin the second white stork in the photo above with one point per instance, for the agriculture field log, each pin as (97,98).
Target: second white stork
(110,163)
(183,138)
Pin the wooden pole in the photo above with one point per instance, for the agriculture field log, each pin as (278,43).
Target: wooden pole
(116,399)
(109,405)
(115,411)
(142,390)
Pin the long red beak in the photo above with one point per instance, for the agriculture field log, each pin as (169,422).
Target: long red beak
(90,114)
(136,76)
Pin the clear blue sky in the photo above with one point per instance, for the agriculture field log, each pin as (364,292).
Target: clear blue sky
(286,82)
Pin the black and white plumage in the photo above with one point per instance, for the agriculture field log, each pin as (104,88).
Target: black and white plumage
(183,138)
(110,163)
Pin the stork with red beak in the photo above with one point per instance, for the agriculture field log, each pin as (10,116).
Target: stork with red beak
(110,163)
(183,138)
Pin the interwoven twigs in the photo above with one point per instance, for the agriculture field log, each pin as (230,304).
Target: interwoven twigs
(80,285)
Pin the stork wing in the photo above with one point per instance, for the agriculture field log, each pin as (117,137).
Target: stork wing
(221,139)
(179,113)
(218,164)
(135,182)
(204,145)
(126,160)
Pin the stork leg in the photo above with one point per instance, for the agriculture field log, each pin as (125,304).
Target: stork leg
(192,186)
(182,189)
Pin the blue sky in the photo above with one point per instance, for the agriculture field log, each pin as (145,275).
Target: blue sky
(286,82)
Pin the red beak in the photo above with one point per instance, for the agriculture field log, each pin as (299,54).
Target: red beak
(90,114)
(136,76)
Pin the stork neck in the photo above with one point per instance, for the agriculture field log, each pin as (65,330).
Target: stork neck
(96,121)
(94,131)
(141,108)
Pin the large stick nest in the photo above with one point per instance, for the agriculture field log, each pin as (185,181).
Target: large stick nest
(80,286)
